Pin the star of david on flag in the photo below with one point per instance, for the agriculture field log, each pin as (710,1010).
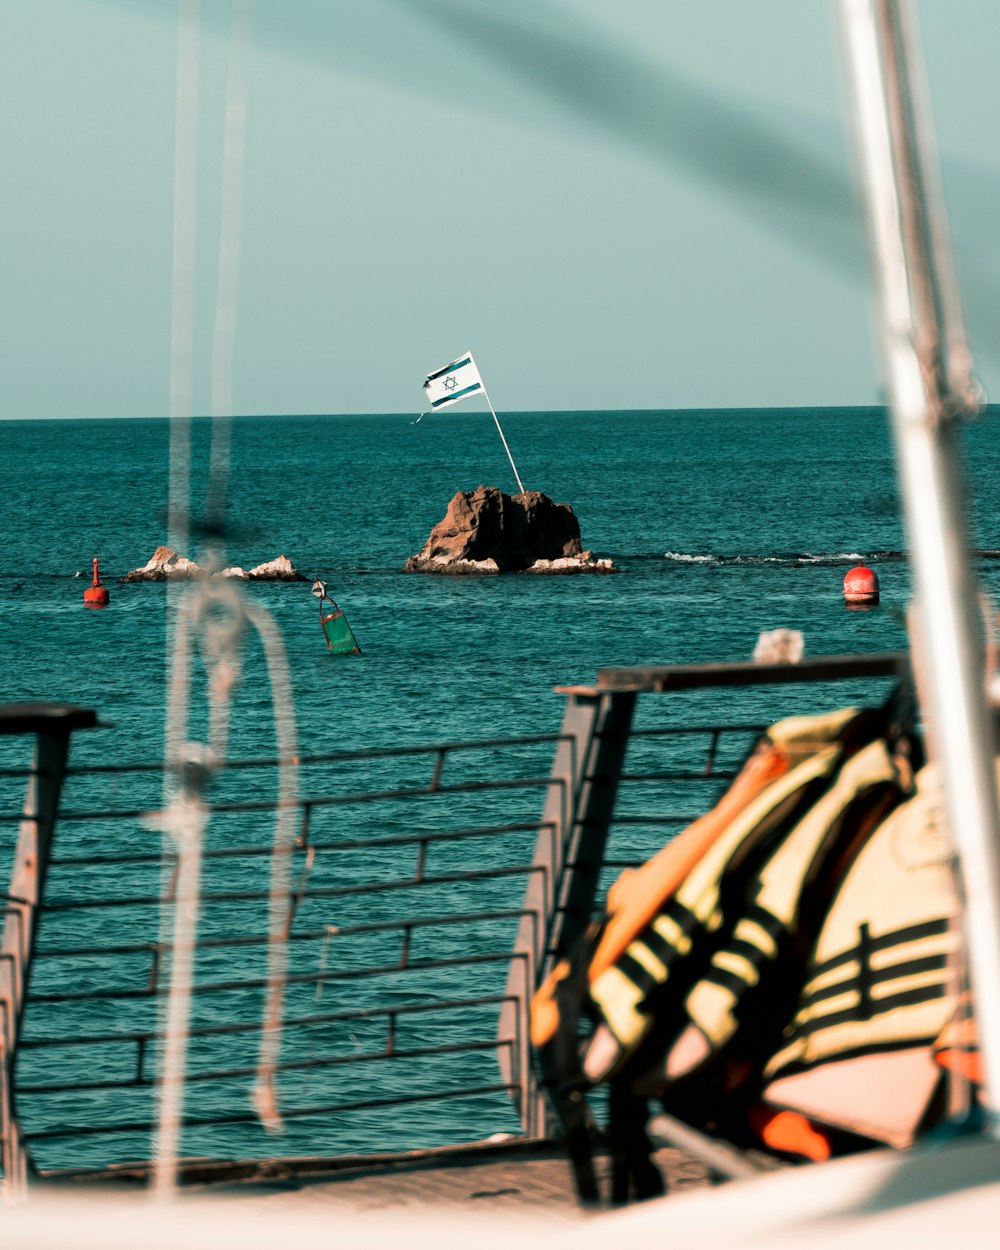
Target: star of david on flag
(453,383)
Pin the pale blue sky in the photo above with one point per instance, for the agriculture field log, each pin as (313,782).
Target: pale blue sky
(637,204)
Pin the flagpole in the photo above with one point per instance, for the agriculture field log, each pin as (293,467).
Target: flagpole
(502,439)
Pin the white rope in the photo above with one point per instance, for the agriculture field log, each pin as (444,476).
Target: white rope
(178,925)
(280,886)
(280,889)
(184,821)
(216,611)
(220,617)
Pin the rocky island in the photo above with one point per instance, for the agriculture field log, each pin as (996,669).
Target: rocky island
(166,565)
(486,531)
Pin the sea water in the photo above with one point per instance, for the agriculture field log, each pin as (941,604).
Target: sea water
(721,524)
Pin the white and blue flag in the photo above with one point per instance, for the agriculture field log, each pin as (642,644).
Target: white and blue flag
(453,383)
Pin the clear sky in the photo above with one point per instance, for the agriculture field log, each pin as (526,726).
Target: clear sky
(627,204)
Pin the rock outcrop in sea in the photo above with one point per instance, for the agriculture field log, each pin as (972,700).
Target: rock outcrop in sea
(166,565)
(280,569)
(487,531)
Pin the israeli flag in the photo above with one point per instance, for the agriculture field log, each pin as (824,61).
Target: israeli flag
(453,383)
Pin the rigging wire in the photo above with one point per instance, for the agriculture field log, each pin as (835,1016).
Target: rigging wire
(215,612)
(281,908)
(178,926)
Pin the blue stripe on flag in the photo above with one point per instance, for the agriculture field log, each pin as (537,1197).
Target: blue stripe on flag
(450,399)
(458,364)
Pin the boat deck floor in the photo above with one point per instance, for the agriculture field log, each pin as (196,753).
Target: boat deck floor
(534,1176)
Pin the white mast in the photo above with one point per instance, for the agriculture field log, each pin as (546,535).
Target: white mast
(927,368)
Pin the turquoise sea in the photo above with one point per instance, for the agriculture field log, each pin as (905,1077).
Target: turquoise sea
(722,523)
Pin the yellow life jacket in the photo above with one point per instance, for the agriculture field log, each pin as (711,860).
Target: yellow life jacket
(866,786)
(654,911)
(667,954)
(881,983)
(629,993)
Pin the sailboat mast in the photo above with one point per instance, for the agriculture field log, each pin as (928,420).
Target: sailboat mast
(927,368)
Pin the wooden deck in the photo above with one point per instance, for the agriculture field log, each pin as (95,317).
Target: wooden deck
(525,1176)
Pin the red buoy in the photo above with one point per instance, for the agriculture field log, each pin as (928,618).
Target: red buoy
(96,595)
(860,585)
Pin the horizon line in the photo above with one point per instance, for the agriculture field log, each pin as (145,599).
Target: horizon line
(514,412)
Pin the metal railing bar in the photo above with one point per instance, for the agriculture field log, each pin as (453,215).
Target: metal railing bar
(244,1026)
(653,819)
(257,939)
(324,800)
(287,1113)
(726,775)
(338,757)
(289,1065)
(299,978)
(678,731)
(335,891)
(660,678)
(354,844)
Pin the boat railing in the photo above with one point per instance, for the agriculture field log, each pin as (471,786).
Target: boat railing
(428,899)
(627,785)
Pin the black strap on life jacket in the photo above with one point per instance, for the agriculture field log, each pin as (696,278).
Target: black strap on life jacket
(562,1076)
(634,1175)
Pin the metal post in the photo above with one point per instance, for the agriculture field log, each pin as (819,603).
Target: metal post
(926,363)
(569,852)
(52,724)
(598,790)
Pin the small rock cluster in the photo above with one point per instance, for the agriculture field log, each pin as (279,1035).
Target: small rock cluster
(487,531)
(166,565)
